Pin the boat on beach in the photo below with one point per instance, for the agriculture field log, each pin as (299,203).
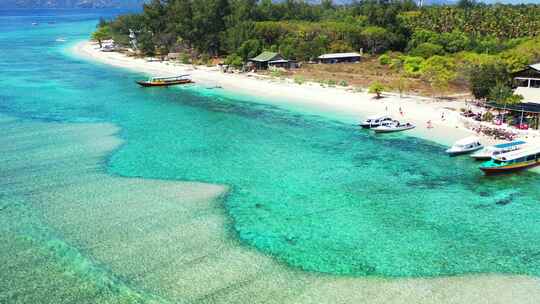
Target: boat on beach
(512,161)
(465,146)
(165,81)
(394,126)
(375,121)
(488,152)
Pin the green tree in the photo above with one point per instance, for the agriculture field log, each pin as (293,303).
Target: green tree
(102,33)
(376,88)
(180,15)
(234,60)
(384,59)
(427,49)
(376,39)
(438,71)
(482,77)
(503,95)
(249,49)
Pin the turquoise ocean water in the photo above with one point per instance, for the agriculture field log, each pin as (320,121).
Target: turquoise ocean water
(88,206)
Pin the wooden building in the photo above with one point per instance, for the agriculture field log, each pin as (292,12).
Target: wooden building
(339,58)
(528,77)
(527,83)
(262,61)
(283,63)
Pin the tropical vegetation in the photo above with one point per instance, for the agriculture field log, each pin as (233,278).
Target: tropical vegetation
(472,43)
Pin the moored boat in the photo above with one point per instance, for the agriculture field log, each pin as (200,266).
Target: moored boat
(375,121)
(465,146)
(488,152)
(394,126)
(512,161)
(166,81)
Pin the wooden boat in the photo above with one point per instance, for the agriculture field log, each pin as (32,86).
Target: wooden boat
(166,81)
(375,121)
(394,126)
(512,161)
(488,152)
(465,146)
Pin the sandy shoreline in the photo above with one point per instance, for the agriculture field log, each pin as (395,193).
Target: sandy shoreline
(344,102)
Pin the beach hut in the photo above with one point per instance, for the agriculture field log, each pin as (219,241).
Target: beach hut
(283,63)
(262,61)
(173,56)
(340,58)
(527,83)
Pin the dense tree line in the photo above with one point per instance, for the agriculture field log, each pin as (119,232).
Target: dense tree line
(435,43)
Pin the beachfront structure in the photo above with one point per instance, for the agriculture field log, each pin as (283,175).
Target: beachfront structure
(527,83)
(340,58)
(262,62)
(173,56)
(283,63)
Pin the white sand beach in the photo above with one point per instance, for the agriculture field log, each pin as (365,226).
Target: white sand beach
(344,102)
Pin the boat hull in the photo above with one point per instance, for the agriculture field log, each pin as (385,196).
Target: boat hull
(481,158)
(462,152)
(392,130)
(163,84)
(509,168)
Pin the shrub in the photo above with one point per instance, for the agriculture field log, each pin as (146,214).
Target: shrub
(205,59)
(412,65)
(376,88)
(299,79)
(384,59)
(331,82)
(234,60)
(344,83)
(488,116)
(184,58)
(396,64)
(276,73)
(438,71)
(427,49)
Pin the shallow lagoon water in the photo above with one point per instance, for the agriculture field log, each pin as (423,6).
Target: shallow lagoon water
(304,195)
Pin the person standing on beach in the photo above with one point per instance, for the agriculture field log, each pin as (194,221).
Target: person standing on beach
(400,111)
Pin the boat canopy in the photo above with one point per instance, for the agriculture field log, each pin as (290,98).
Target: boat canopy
(467,141)
(518,154)
(510,144)
(170,78)
(377,117)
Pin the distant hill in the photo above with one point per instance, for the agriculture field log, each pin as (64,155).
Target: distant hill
(70,3)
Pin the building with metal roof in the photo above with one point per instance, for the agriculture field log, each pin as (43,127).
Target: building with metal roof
(340,57)
(261,62)
(527,83)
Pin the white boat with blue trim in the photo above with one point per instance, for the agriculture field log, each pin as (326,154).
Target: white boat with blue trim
(488,152)
(465,146)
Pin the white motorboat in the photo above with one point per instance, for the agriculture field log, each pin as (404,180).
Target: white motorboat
(464,146)
(375,121)
(488,152)
(394,126)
